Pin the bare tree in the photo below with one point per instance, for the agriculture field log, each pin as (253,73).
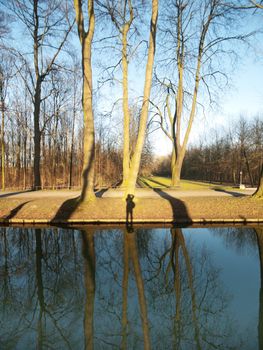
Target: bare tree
(259,192)
(193,43)
(2,127)
(136,158)
(42,20)
(122,16)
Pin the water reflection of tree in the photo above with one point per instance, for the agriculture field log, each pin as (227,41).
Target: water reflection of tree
(186,302)
(88,252)
(140,288)
(191,296)
(130,252)
(259,234)
(242,239)
(38,289)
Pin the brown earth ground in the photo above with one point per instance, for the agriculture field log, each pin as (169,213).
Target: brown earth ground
(149,206)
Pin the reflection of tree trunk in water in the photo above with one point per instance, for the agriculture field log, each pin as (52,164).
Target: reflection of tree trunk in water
(88,251)
(125,290)
(40,288)
(259,233)
(177,232)
(177,286)
(6,288)
(133,252)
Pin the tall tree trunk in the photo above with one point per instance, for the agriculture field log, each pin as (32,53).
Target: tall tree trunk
(176,163)
(136,159)
(126,113)
(37,136)
(24,159)
(248,168)
(72,146)
(259,191)
(87,191)
(3,146)
(37,101)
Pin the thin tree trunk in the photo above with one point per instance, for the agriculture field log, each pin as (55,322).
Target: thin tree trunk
(3,146)
(248,168)
(37,101)
(24,161)
(72,147)
(126,113)
(136,159)
(259,191)
(37,136)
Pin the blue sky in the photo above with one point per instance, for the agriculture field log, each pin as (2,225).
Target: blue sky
(243,95)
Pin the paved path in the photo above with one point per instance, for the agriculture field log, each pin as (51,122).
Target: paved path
(118,193)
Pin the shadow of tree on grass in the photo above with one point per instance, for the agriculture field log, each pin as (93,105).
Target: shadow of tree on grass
(232,193)
(14,211)
(180,213)
(9,194)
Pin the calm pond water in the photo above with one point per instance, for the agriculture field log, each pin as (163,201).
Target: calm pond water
(148,289)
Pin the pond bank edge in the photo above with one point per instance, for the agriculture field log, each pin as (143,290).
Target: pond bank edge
(122,221)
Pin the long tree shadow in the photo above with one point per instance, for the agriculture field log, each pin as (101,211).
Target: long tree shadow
(9,194)
(232,193)
(180,213)
(159,183)
(67,208)
(14,211)
(100,193)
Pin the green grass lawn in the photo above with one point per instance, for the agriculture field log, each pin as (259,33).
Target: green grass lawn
(163,182)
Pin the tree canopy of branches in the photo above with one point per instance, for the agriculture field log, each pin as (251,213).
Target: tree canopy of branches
(195,37)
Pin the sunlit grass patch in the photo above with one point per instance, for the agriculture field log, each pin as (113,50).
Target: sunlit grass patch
(185,185)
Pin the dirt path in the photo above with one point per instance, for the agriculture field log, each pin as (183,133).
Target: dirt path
(118,193)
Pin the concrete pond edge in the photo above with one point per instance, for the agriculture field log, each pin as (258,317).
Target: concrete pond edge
(204,221)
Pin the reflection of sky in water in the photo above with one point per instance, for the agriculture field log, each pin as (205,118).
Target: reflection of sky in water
(43,296)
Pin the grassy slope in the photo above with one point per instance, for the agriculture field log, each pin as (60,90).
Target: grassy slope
(162,182)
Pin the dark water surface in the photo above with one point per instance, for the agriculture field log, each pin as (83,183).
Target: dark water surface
(148,289)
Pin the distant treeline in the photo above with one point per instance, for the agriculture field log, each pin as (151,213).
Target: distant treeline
(240,149)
